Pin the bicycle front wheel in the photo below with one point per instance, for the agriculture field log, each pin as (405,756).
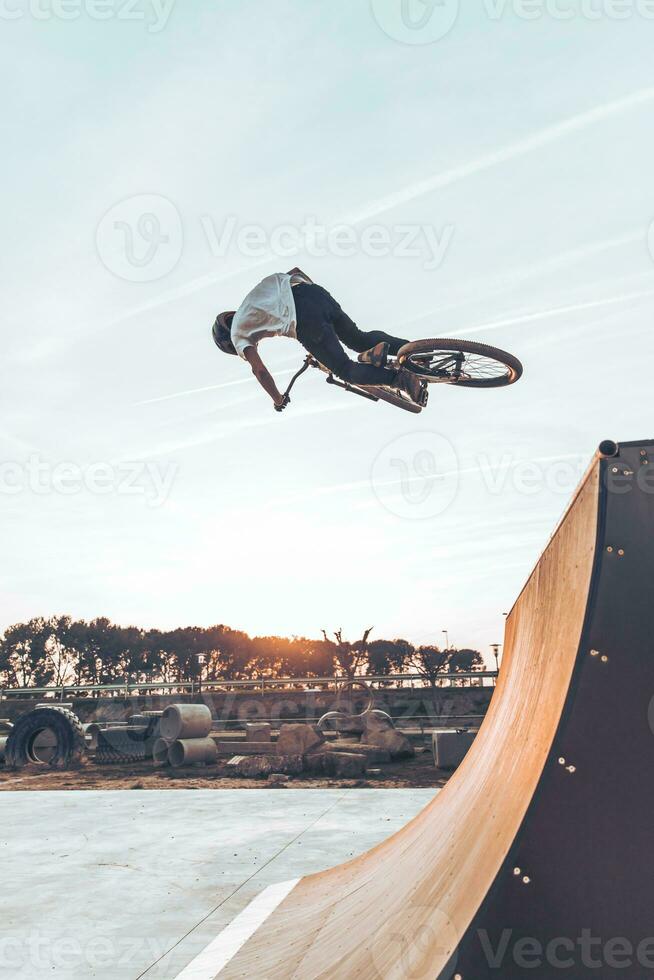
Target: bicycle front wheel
(460,362)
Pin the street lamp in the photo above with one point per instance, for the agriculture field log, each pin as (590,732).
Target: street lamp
(201,660)
(495,647)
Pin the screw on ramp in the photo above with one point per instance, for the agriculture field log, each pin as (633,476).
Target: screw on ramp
(537,857)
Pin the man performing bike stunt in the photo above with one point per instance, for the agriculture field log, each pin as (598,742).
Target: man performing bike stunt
(291,305)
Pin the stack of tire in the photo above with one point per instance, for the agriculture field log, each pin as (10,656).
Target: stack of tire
(133,742)
(184,737)
(52,737)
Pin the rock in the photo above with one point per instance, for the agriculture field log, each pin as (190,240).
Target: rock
(374,755)
(259,732)
(251,766)
(342,745)
(378,721)
(338,721)
(277,780)
(263,766)
(350,724)
(394,742)
(344,765)
(348,765)
(298,739)
(315,763)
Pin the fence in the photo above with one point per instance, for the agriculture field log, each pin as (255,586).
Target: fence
(481,678)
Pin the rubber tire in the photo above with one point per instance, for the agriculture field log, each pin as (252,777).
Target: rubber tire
(71,744)
(469,347)
(116,745)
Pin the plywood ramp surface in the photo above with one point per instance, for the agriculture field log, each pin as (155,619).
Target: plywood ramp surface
(400,910)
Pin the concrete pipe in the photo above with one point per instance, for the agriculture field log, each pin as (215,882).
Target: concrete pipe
(182,721)
(42,746)
(138,719)
(191,751)
(160,751)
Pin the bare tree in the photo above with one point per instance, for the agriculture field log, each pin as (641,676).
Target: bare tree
(350,658)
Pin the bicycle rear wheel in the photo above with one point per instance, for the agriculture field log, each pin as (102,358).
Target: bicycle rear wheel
(460,362)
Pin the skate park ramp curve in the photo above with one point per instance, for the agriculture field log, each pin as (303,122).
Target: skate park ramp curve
(537,857)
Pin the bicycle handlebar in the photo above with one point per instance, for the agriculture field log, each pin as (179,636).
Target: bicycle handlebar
(309,361)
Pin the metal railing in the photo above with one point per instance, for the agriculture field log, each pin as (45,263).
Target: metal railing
(306,685)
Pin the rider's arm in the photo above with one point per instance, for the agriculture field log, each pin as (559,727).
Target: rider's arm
(262,374)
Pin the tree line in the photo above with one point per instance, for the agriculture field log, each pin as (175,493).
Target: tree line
(63,651)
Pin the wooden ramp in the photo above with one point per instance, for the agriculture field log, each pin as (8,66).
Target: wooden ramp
(537,859)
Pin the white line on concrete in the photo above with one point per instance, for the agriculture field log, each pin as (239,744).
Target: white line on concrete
(227,943)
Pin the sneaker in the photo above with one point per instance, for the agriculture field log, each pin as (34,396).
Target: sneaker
(377,355)
(409,383)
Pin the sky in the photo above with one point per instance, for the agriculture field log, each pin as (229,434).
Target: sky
(480,170)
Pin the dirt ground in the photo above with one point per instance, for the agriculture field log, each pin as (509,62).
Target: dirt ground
(418,772)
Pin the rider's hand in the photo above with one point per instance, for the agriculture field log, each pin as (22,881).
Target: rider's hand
(282,403)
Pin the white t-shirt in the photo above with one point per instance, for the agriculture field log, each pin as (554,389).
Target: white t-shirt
(267,311)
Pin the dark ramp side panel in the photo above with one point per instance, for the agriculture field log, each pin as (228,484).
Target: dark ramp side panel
(586,844)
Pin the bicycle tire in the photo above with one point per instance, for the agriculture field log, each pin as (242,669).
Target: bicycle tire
(515,368)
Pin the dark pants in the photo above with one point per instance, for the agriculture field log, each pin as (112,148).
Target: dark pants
(323,328)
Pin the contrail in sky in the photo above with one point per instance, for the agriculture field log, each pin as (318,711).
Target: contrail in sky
(555,311)
(549,134)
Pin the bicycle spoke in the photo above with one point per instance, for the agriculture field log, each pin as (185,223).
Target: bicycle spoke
(458,365)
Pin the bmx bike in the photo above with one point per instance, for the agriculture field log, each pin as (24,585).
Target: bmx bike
(464,363)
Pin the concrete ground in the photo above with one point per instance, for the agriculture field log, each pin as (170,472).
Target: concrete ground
(123,885)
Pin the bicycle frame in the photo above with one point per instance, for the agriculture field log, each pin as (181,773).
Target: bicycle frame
(375,393)
(311,361)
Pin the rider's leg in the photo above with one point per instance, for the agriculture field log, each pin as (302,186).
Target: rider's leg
(316,313)
(321,341)
(316,310)
(362,340)
(346,329)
